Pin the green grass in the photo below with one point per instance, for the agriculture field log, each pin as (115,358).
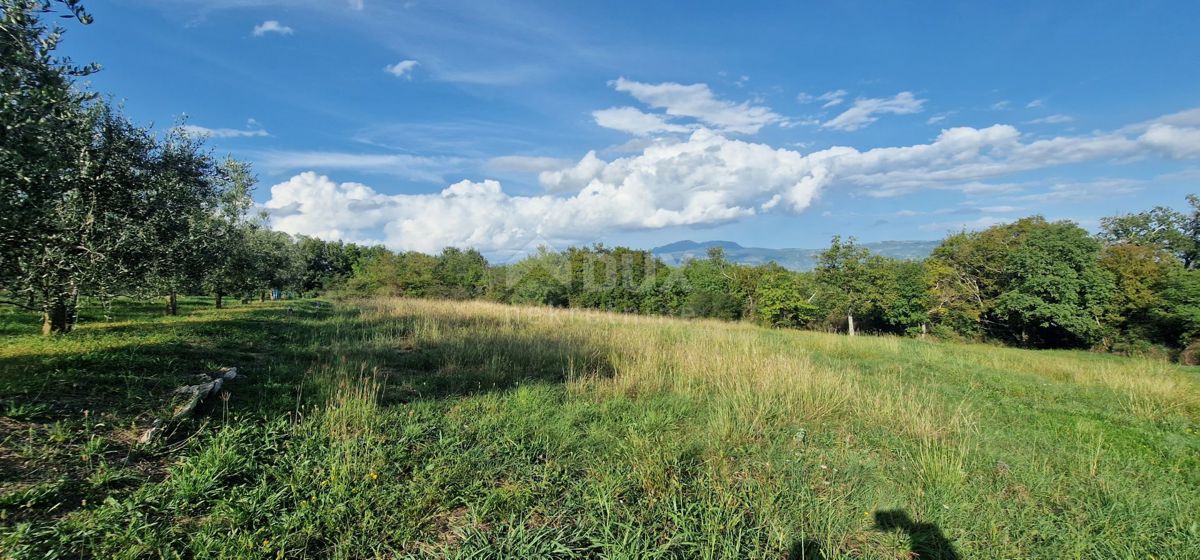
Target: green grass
(407,428)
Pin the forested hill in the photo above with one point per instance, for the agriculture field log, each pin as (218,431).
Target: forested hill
(792,259)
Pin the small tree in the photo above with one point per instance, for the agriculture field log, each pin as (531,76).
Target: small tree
(843,273)
(906,297)
(1140,274)
(780,299)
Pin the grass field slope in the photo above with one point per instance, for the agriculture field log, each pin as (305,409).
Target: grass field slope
(411,428)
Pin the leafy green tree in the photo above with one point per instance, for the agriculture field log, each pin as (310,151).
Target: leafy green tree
(968,271)
(278,265)
(178,227)
(230,261)
(1054,292)
(1168,229)
(46,126)
(1140,274)
(376,273)
(460,274)
(616,279)
(540,279)
(90,204)
(1178,309)
(844,275)
(710,288)
(327,264)
(781,300)
(906,298)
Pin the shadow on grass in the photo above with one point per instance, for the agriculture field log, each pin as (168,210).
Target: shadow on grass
(926,540)
(128,367)
(806,549)
(281,348)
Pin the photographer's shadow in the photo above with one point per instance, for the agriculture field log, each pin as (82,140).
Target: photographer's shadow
(925,539)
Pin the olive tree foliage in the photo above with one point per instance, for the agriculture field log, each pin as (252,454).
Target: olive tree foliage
(230,264)
(44,135)
(189,198)
(90,203)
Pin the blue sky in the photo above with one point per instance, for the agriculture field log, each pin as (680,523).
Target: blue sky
(504,125)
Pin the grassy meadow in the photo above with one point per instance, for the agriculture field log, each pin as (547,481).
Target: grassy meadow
(411,428)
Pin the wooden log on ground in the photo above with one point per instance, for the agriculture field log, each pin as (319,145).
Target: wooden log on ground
(192,396)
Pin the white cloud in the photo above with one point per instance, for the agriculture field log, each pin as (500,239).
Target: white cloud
(402,69)
(936,119)
(1035,104)
(831,98)
(1001,105)
(706,179)
(697,101)
(195,130)
(863,112)
(633,121)
(272,26)
(1190,117)
(573,177)
(1179,142)
(1053,119)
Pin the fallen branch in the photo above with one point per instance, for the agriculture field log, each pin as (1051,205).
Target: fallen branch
(193,395)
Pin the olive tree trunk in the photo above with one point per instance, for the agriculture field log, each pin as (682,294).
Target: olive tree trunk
(57,316)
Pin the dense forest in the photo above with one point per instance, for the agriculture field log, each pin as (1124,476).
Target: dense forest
(94,206)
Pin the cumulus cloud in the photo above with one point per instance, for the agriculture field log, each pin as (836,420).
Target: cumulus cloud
(706,179)
(863,112)
(698,102)
(272,26)
(633,121)
(402,69)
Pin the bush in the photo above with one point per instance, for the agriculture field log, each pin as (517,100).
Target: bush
(715,305)
(1190,355)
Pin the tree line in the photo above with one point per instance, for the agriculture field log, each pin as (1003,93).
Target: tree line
(1132,288)
(93,205)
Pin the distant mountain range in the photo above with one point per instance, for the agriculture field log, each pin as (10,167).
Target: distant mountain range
(793,259)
